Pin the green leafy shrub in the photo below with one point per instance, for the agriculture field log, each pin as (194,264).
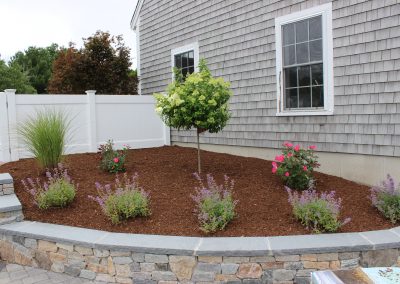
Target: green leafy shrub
(58,191)
(112,161)
(126,200)
(296,166)
(45,136)
(319,213)
(215,207)
(386,198)
(200,101)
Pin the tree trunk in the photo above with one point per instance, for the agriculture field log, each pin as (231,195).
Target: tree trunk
(198,152)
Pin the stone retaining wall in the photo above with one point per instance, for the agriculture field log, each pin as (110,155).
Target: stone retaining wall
(138,267)
(6,184)
(131,258)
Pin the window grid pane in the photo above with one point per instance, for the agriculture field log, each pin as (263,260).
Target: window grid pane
(185,62)
(303,64)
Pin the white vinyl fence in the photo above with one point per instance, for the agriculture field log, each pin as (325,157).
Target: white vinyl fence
(94,119)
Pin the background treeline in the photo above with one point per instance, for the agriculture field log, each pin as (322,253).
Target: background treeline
(102,64)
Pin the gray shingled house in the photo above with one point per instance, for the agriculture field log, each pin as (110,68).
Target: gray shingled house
(309,71)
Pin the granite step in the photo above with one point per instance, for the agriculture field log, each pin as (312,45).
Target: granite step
(10,209)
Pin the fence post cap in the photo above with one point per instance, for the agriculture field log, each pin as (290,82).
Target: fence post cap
(90,92)
(10,90)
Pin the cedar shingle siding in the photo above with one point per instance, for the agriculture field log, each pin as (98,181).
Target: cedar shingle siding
(237,38)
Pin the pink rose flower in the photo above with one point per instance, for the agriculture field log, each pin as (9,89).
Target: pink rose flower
(274,164)
(280,158)
(305,168)
(290,155)
(287,174)
(274,169)
(116,160)
(297,148)
(288,144)
(312,147)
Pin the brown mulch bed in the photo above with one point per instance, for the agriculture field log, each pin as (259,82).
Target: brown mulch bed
(167,173)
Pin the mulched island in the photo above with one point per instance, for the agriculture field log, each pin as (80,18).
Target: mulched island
(167,173)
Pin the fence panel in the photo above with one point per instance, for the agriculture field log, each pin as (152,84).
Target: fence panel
(94,119)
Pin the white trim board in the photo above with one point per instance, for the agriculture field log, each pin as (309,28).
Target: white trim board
(136,14)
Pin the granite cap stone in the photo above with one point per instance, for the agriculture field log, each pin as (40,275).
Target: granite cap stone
(6,178)
(9,202)
(226,246)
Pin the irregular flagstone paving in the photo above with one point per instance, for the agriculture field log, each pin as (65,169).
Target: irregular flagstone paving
(17,274)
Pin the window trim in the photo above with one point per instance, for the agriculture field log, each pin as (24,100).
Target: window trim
(325,11)
(182,49)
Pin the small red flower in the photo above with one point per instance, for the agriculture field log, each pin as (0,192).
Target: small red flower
(287,174)
(116,160)
(280,158)
(274,169)
(305,168)
(297,148)
(312,147)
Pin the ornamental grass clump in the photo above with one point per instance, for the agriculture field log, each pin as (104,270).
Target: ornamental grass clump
(58,191)
(386,198)
(126,200)
(215,207)
(319,213)
(296,166)
(45,136)
(112,161)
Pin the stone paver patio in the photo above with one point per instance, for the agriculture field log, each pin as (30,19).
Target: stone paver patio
(17,274)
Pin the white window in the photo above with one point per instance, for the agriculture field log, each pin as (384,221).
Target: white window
(304,62)
(185,58)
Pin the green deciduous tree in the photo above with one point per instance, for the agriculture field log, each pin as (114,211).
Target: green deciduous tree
(14,78)
(102,65)
(36,63)
(199,101)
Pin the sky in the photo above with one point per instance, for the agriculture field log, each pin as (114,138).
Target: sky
(25,23)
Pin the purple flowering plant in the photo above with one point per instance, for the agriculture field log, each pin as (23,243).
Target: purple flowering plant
(386,198)
(124,200)
(215,207)
(58,191)
(318,212)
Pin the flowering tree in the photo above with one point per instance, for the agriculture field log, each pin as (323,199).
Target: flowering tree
(198,101)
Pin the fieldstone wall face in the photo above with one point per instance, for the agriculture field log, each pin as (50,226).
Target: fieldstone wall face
(6,184)
(133,267)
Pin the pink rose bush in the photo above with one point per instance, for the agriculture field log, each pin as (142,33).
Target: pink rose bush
(296,165)
(112,161)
